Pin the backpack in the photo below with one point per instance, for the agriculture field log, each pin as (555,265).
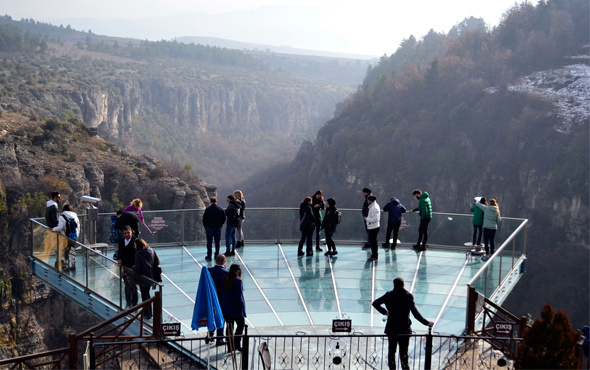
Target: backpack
(113,234)
(339,215)
(71,228)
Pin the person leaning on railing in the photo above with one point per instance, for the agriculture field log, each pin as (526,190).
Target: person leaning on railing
(398,305)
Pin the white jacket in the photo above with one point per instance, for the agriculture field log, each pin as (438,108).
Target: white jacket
(374,216)
(61,226)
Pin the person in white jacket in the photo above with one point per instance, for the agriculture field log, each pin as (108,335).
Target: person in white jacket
(373,224)
(69,256)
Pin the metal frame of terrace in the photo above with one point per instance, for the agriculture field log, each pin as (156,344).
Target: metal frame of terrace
(279,225)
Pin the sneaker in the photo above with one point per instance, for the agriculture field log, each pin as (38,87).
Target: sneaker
(485,258)
(300,254)
(310,254)
(334,253)
(318,248)
(372,259)
(221,343)
(328,253)
(232,253)
(207,258)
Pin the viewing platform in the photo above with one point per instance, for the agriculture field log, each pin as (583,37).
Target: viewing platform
(287,294)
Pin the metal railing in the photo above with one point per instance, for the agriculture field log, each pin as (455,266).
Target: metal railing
(281,225)
(95,272)
(348,351)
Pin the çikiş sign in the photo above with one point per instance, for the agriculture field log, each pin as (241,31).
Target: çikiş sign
(503,328)
(171,330)
(341,326)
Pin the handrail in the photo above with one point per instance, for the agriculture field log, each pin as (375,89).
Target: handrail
(89,249)
(488,262)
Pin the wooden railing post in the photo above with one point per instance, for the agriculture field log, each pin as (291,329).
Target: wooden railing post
(157,322)
(73,356)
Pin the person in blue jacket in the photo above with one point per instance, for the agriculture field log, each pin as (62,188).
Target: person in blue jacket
(394,220)
(233,305)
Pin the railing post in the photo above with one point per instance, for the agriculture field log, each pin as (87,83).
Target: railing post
(500,270)
(121,292)
(245,349)
(471,300)
(182,227)
(73,355)
(428,355)
(526,227)
(87,267)
(157,314)
(92,353)
(279,226)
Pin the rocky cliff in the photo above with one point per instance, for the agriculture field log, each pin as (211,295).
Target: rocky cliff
(37,158)
(154,106)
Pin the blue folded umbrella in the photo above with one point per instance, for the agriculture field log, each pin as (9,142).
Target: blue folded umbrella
(207,311)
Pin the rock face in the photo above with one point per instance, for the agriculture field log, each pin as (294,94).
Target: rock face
(99,173)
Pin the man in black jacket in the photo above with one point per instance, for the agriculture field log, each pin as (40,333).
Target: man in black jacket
(52,210)
(128,219)
(398,304)
(213,220)
(126,258)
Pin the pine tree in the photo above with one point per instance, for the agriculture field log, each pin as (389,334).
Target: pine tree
(550,343)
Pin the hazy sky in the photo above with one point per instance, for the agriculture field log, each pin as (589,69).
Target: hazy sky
(373,27)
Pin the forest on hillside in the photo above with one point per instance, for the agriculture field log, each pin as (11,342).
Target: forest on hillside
(452,114)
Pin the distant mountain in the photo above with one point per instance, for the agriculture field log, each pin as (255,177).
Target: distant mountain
(281,49)
(502,113)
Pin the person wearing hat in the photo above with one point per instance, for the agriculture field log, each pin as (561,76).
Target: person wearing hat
(372,221)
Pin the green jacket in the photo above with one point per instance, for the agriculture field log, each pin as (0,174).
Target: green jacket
(424,206)
(477,219)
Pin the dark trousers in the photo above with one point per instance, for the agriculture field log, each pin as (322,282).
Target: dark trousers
(131,295)
(488,238)
(306,237)
(230,238)
(404,342)
(395,229)
(329,241)
(423,231)
(476,234)
(145,295)
(373,242)
(317,235)
(239,326)
(211,235)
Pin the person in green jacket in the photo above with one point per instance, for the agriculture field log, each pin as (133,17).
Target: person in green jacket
(477,221)
(491,217)
(425,209)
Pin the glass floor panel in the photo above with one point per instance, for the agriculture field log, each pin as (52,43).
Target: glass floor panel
(281,289)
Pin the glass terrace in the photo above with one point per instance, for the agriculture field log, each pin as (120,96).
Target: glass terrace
(285,294)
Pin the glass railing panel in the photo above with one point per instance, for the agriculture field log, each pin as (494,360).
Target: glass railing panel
(44,244)
(103,276)
(260,224)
